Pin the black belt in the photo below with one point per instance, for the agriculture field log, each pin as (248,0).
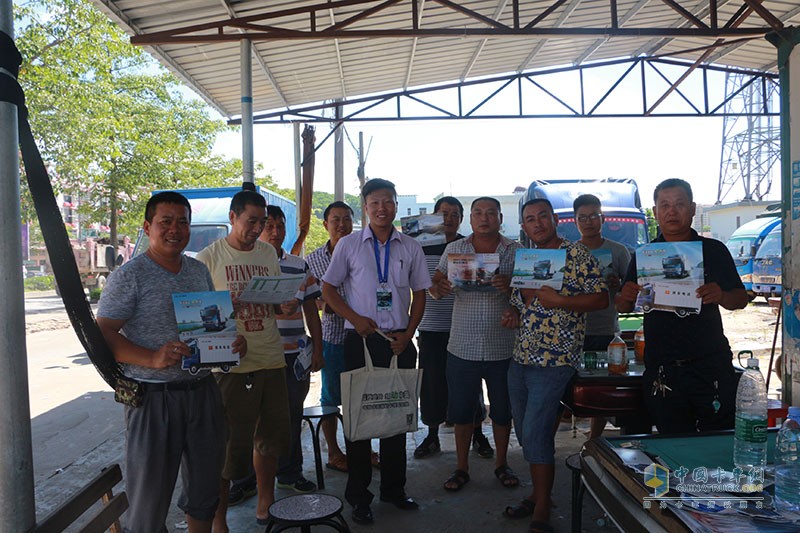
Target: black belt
(184,385)
(679,362)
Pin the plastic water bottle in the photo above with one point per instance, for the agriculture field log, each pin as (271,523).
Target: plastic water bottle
(617,355)
(638,344)
(750,439)
(787,465)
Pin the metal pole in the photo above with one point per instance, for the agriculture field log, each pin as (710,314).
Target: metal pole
(362,173)
(338,158)
(248,174)
(17,508)
(298,168)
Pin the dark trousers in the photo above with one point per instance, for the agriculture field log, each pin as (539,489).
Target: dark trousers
(393,449)
(433,393)
(290,467)
(689,406)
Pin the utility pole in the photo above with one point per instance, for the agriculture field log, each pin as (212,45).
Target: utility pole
(362,177)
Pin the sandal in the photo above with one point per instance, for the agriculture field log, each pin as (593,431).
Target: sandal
(339,464)
(521,510)
(456,481)
(506,476)
(540,527)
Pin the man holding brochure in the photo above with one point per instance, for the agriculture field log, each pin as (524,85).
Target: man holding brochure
(550,323)
(689,382)
(180,424)
(293,336)
(254,394)
(380,269)
(477,348)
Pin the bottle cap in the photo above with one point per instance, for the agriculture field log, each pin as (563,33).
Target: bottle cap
(752,362)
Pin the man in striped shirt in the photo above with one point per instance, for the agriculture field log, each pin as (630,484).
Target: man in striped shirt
(293,336)
(434,335)
(338,221)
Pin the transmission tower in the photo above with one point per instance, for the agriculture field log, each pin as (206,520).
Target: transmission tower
(751,141)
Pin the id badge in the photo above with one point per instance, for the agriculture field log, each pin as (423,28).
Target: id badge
(384,299)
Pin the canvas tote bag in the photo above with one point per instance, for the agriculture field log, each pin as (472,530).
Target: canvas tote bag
(379,402)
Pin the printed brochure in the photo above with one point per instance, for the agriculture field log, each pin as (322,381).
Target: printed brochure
(472,272)
(272,289)
(535,268)
(670,274)
(603,256)
(426,229)
(206,324)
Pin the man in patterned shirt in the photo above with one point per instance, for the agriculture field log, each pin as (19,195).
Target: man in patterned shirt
(338,221)
(550,328)
(478,349)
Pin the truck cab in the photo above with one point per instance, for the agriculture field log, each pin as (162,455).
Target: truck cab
(210,208)
(625,221)
(744,244)
(768,265)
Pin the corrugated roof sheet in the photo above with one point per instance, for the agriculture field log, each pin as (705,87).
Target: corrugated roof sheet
(293,72)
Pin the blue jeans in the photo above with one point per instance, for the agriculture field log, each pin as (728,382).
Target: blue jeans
(536,393)
(331,394)
(464,384)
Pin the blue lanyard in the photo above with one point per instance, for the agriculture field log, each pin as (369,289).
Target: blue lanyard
(383,277)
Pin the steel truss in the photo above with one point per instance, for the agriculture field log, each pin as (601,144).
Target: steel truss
(308,22)
(750,143)
(645,87)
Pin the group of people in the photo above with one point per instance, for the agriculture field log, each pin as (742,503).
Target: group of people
(525,344)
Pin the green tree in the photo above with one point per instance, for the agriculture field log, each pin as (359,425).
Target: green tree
(652,225)
(111,123)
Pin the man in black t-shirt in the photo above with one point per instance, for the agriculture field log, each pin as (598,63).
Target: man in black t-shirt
(689,382)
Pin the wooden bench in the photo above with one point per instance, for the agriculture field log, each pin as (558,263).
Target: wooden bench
(107,517)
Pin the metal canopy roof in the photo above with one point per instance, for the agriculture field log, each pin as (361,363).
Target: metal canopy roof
(315,51)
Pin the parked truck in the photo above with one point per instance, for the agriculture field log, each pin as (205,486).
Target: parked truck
(96,259)
(210,222)
(674,267)
(625,221)
(744,244)
(768,265)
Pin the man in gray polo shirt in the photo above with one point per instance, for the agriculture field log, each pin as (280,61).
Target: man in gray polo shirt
(180,425)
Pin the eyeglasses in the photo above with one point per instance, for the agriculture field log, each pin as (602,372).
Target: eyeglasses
(583,219)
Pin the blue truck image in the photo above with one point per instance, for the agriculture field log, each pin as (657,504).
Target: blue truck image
(768,265)
(744,244)
(625,221)
(212,318)
(210,208)
(541,269)
(674,267)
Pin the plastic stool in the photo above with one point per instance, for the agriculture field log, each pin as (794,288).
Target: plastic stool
(320,413)
(306,510)
(573,462)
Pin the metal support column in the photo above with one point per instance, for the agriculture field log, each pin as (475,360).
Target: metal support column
(338,158)
(298,168)
(246,61)
(786,42)
(17,507)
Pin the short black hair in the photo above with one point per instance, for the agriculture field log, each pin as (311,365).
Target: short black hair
(275,212)
(495,201)
(452,200)
(338,204)
(534,201)
(244,198)
(670,183)
(165,197)
(377,184)
(585,199)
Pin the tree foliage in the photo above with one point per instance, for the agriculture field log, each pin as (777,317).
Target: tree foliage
(111,123)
